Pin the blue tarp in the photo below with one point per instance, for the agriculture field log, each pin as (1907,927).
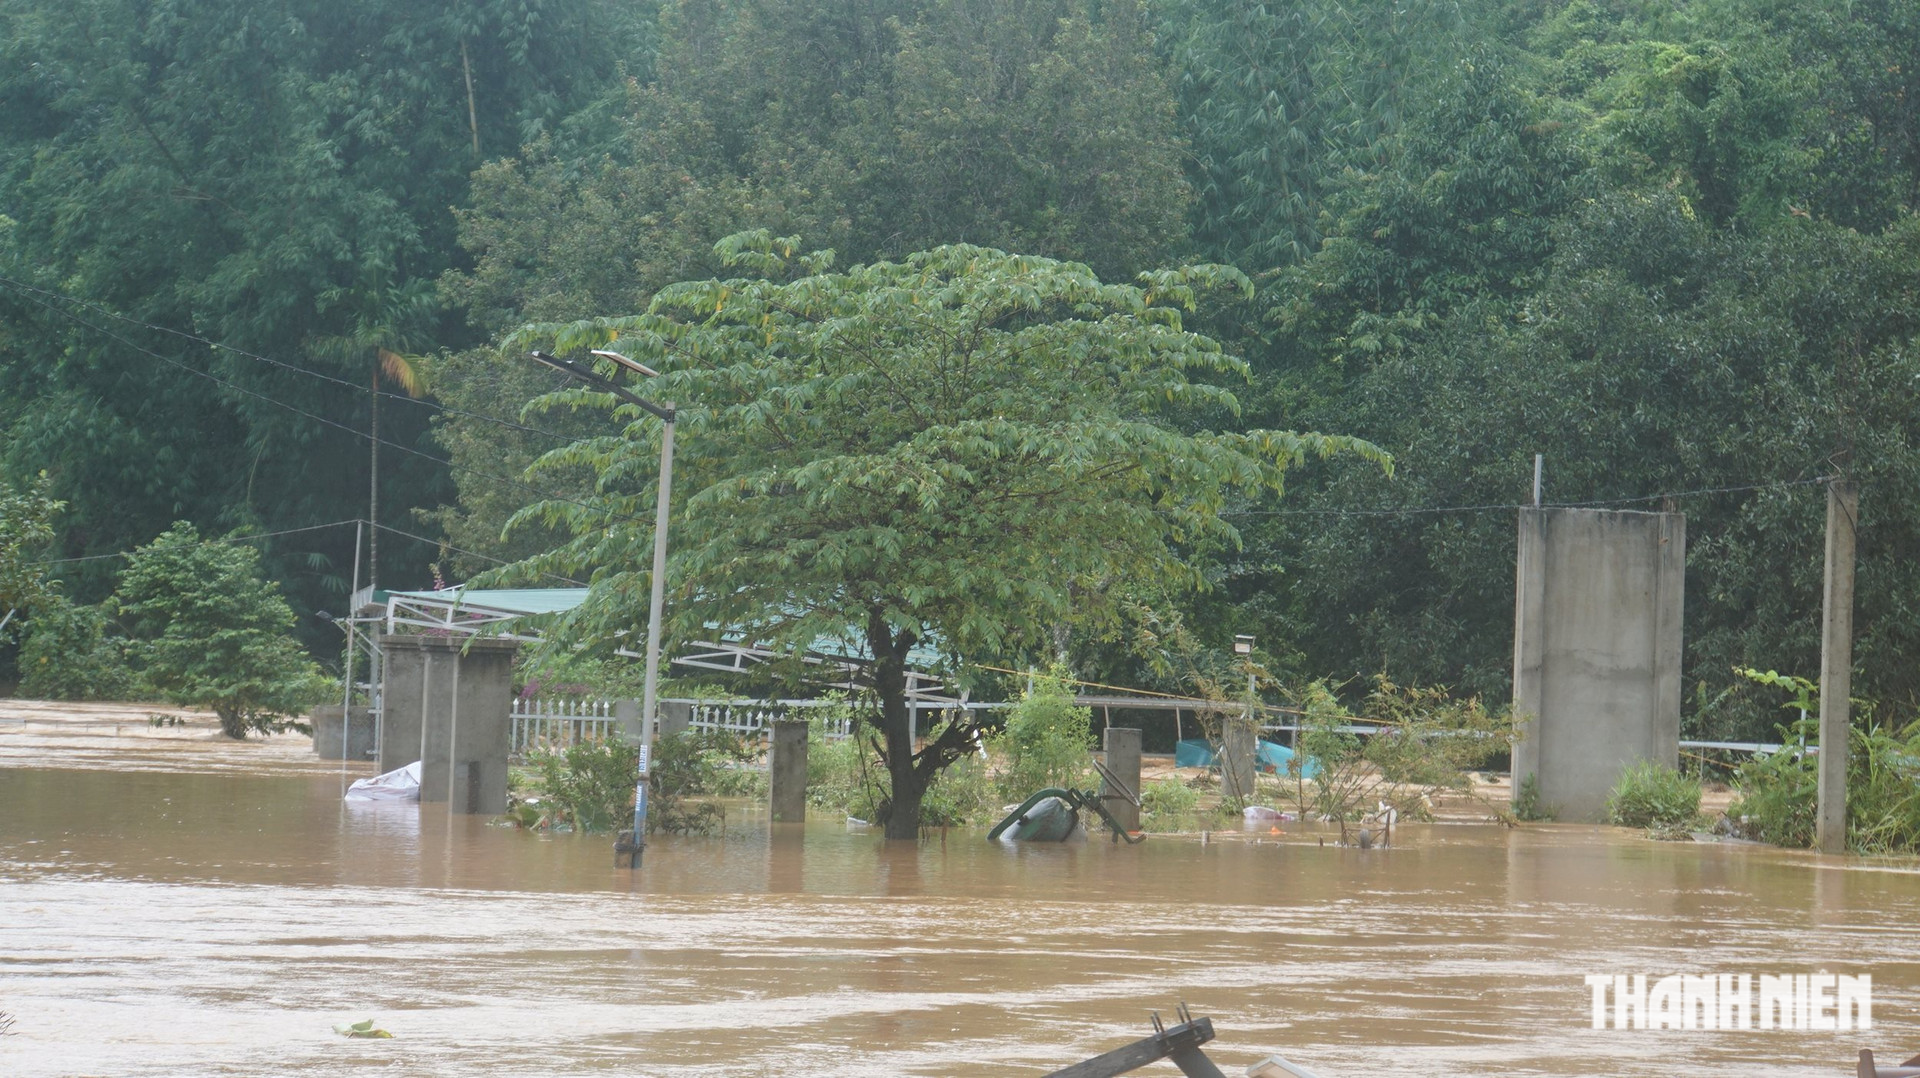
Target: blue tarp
(1273,758)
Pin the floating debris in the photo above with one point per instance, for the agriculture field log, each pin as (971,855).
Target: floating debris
(363,1029)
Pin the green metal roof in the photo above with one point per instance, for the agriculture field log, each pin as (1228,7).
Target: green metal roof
(507,600)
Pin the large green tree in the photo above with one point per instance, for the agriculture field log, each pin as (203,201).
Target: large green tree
(964,450)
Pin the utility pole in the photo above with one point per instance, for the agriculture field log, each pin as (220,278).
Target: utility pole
(1836,666)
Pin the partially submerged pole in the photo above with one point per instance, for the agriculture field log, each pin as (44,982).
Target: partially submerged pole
(787,772)
(1836,666)
(630,846)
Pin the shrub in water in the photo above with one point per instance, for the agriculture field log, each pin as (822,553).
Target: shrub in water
(1046,741)
(69,655)
(1779,790)
(1649,795)
(586,787)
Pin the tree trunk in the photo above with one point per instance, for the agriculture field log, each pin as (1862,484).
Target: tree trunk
(909,786)
(232,723)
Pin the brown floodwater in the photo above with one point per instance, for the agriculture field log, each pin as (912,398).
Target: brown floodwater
(220,924)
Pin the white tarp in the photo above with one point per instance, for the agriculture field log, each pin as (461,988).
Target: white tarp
(401,784)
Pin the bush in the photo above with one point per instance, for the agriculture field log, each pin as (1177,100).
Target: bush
(1047,740)
(1779,791)
(845,775)
(1167,803)
(1649,795)
(70,655)
(585,787)
(1427,740)
(961,794)
(685,766)
(589,786)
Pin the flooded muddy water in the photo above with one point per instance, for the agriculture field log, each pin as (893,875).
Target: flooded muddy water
(220,924)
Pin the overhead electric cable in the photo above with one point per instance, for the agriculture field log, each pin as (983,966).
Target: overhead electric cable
(443,461)
(1509,506)
(206,542)
(32,292)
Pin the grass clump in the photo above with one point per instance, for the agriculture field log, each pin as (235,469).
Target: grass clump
(1168,804)
(1654,797)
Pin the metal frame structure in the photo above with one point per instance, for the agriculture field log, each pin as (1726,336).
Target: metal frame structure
(449,612)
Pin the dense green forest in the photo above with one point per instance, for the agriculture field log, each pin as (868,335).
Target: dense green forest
(251,252)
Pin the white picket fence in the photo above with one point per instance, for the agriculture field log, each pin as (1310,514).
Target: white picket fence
(560,722)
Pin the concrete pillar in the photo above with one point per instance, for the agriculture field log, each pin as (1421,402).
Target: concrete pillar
(1122,746)
(1598,600)
(787,771)
(676,716)
(403,697)
(626,719)
(455,698)
(1836,669)
(1239,744)
(331,739)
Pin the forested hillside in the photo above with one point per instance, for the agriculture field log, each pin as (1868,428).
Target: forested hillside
(1670,245)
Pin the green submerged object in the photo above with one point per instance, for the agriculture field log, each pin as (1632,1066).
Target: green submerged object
(1053,815)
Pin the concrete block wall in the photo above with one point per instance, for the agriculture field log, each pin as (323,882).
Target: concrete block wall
(1596,650)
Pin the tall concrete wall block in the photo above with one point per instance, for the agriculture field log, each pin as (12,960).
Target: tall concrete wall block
(1596,651)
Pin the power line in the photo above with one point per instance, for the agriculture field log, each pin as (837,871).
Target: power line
(1511,506)
(472,553)
(23,287)
(355,431)
(205,542)
(319,527)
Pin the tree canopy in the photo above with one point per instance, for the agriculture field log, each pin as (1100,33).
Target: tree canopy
(965,450)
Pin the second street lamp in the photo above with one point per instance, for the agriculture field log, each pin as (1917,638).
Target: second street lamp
(650,697)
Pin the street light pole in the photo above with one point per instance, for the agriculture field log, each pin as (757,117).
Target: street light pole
(650,696)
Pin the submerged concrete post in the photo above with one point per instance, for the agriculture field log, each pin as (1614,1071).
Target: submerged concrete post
(403,699)
(1122,747)
(787,771)
(449,704)
(1836,669)
(1239,742)
(331,739)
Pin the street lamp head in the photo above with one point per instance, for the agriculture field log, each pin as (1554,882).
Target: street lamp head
(633,365)
(1242,644)
(557,364)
